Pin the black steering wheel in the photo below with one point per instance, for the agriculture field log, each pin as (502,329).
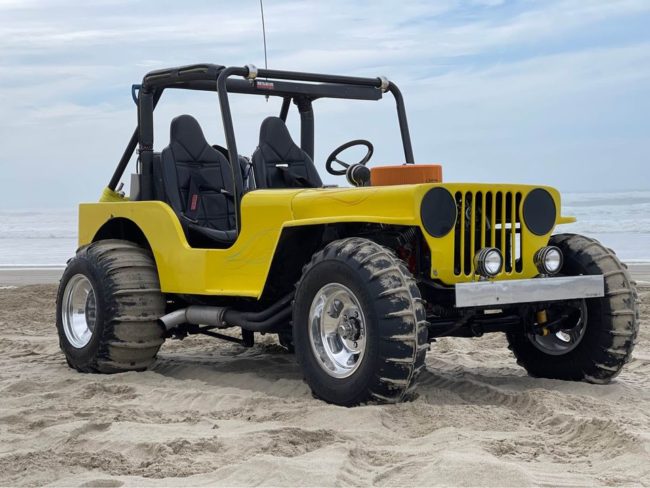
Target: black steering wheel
(334,156)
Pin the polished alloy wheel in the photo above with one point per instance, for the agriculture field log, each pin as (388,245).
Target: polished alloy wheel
(78,311)
(566,337)
(337,330)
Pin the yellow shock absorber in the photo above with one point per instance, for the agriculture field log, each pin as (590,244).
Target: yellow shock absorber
(541,319)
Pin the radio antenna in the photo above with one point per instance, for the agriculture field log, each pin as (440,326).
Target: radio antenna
(266,66)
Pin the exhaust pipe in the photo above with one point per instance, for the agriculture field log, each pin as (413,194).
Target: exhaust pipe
(195,314)
(263,321)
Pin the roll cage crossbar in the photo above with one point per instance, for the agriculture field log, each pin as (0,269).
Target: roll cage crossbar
(301,88)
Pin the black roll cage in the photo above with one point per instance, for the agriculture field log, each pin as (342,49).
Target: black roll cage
(301,88)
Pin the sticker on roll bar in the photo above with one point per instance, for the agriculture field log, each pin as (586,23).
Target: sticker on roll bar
(507,292)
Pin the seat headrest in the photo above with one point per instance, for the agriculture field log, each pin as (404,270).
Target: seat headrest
(186,131)
(274,132)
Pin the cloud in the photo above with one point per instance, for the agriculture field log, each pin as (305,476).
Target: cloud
(527,77)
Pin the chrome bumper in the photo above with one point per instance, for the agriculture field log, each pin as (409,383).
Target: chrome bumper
(485,293)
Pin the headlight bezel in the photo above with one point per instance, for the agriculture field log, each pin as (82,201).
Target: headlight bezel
(481,265)
(544,255)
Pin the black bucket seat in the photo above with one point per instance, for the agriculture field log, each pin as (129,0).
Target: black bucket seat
(278,162)
(200,185)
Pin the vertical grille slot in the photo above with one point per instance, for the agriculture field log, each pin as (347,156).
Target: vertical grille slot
(487,219)
(458,197)
(506,230)
(468,230)
(519,245)
(480,223)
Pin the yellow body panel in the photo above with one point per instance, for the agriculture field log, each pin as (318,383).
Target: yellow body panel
(238,271)
(242,269)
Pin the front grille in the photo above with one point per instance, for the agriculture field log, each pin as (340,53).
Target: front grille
(487,219)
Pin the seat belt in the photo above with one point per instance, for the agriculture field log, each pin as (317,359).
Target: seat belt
(193,197)
(198,182)
(292,179)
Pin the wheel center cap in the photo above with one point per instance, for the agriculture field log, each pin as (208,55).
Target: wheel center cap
(345,330)
(349,328)
(90,310)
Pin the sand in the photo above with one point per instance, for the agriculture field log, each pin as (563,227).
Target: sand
(210,413)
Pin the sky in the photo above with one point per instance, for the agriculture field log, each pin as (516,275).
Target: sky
(552,92)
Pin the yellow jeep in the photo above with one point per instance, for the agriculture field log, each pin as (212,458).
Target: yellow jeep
(358,280)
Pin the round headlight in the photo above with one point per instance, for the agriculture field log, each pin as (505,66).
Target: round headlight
(549,260)
(539,212)
(438,212)
(488,262)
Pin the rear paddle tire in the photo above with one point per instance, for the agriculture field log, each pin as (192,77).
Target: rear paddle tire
(359,324)
(596,336)
(107,308)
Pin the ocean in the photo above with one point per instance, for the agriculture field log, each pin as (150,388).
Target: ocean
(48,238)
